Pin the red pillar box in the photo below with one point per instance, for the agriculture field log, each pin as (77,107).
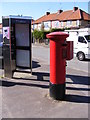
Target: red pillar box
(58,55)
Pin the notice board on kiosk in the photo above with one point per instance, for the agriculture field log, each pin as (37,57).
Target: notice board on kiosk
(17,49)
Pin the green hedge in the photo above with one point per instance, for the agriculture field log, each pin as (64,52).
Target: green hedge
(57,29)
(41,35)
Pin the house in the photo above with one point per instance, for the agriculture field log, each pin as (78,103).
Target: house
(0,27)
(75,18)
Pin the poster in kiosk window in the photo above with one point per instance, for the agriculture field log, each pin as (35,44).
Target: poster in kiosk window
(6,34)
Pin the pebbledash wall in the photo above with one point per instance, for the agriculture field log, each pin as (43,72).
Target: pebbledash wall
(57,24)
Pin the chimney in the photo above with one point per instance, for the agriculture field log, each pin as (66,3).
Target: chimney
(47,13)
(75,8)
(60,11)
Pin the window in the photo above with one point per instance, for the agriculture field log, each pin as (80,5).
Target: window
(87,37)
(56,24)
(69,23)
(47,25)
(81,39)
(61,24)
(77,23)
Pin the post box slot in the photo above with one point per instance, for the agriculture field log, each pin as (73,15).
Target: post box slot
(64,44)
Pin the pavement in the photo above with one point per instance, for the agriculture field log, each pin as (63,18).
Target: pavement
(27,96)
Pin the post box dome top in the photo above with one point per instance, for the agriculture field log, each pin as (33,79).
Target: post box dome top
(57,36)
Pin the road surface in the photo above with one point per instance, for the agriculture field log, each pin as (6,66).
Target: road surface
(43,53)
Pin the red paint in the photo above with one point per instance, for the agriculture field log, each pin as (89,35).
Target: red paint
(59,36)
(57,62)
(69,50)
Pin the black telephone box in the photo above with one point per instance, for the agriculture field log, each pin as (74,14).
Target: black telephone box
(17,44)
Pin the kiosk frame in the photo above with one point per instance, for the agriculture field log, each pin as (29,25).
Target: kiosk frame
(17,44)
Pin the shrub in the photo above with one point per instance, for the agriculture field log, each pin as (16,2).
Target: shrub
(57,29)
(38,35)
(41,35)
(45,33)
(35,34)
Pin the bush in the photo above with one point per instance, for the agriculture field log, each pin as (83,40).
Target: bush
(45,33)
(57,29)
(41,35)
(36,34)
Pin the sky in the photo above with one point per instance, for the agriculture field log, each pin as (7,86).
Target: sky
(37,9)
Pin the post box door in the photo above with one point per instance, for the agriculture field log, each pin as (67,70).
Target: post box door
(69,50)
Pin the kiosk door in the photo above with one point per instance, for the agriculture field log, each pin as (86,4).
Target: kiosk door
(23,45)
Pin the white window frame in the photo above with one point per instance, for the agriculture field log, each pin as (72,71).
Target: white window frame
(61,23)
(77,22)
(69,23)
